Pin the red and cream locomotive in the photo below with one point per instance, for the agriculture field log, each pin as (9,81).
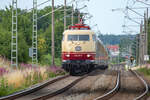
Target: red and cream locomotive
(82,50)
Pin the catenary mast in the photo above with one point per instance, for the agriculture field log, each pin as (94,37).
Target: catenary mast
(14,40)
(34,34)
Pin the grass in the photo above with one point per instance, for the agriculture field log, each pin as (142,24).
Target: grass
(6,89)
(145,71)
(20,79)
(14,80)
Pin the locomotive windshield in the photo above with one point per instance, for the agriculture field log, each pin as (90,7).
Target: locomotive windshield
(72,37)
(78,37)
(83,37)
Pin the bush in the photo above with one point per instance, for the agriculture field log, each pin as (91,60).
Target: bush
(145,71)
(46,60)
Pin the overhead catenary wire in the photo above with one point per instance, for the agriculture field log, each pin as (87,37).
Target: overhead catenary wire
(33,8)
(143,2)
(53,11)
(133,20)
(134,11)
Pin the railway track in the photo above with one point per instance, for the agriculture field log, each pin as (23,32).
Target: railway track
(115,90)
(46,90)
(144,94)
(50,95)
(107,95)
(33,89)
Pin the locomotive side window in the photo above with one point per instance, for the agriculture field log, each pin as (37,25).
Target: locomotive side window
(83,37)
(94,37)
(72,37)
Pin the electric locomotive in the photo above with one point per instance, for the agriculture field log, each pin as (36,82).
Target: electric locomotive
(82,50)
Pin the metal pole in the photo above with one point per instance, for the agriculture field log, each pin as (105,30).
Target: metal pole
(78,16)
(72,15)
(78,12)
(140,43)
(65,14)
(137,49)
(147,32)
(34,34)
(118,59)
(53,43)
(14,39)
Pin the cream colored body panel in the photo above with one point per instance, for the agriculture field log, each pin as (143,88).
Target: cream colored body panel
(69,46)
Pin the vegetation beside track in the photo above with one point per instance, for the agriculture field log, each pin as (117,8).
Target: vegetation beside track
(17,80)
(145,71)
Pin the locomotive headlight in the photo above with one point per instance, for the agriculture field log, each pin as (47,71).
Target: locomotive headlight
(88,55)
(67,55)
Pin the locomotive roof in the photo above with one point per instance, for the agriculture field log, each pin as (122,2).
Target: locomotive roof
(78,32)
(80,26)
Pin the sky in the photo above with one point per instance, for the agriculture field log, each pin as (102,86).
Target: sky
(108,22)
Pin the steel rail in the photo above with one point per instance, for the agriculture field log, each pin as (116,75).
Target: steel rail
(144,83)
(33,89)
(114,90)
(50,95)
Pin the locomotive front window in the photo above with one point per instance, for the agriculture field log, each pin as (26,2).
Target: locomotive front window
(78,38)
(83,37)
(72,37)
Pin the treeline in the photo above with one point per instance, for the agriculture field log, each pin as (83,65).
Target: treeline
(25,33)
(111,39)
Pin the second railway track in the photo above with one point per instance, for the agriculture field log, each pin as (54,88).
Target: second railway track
(133,87)
(144,94)
(111,94)
(107,95)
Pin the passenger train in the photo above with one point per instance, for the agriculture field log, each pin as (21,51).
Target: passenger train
(82,50)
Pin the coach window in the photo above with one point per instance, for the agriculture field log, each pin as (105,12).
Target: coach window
(94,37)
(72,37)
(83,37)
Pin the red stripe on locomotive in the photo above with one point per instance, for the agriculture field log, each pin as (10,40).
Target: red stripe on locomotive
(78,56)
